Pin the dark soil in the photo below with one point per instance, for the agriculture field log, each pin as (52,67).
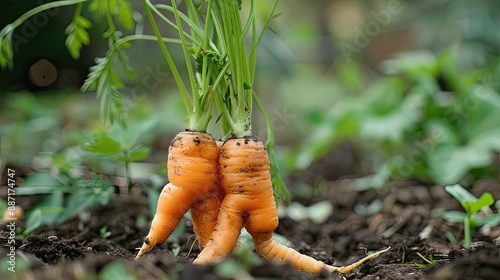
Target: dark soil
(404,222)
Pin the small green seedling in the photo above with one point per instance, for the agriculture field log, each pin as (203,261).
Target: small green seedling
(104,232)
(429,261)
(472,205)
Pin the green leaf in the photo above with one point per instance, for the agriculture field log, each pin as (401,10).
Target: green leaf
(454,216)
(492,220)
(421,265)
(448,164)
(413,63)
(51,207)
(6,52)
(350,75)
(487,140)
(77,35)
(106,83)
(393,125)
(78,200)
(460,194)
(83,22)
(138,153)
(327,134)
(123,13)
(33,222)
(483,103)
(122,56)
(99,6)
(105,145)
(486,199)
(468,201)
(440,132)
(39,183)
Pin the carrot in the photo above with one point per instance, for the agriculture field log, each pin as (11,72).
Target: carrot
(245,178)
(244,163)
(204,212)
(192,171)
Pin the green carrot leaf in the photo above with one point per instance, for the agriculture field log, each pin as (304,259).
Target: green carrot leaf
(122,56)
(99,7)
(123,13)
(95,73)
(77,35)
(6,52)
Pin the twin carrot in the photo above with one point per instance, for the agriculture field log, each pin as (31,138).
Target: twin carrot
(245,178)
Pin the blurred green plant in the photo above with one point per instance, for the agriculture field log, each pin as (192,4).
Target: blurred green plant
(63,196)
(318,213)
(111,13)
(427,119)
(472,205)
(74,161)
(104,232)
(429,261)
(123,144)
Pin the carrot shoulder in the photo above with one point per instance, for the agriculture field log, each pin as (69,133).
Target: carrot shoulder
(192,171)
(245,178)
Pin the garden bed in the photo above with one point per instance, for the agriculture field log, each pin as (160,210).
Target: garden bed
(104,241)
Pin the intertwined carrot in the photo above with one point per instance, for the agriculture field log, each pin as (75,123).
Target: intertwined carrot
(192,171)
(245,178)
(242,163)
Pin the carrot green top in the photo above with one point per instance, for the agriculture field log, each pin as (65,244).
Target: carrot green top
(224,71)
(205,79)
(235,105)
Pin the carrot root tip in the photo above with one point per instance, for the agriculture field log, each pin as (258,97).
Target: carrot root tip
(349,268)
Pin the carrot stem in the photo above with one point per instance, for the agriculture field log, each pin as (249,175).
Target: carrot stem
(168,57)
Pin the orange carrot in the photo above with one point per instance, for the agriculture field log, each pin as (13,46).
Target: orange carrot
(192,171)
(204,214)
(205,210)
(244,172)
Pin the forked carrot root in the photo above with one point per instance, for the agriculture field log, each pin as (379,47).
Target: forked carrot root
(192,171)
(245,178)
